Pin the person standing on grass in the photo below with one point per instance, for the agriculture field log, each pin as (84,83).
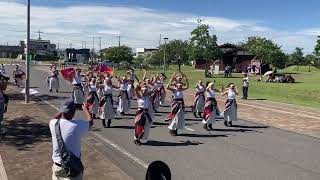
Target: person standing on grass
(144,115)
(177,105)
(72,131)
(245,86)
(106,103)
(230,110)
(199,102)
(211,110)
(124,100)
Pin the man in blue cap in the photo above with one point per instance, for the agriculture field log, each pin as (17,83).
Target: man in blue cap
(72,131)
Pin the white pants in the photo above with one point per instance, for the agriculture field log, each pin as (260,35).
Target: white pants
(230,114)
(178,121)
(54,83)
(78,96)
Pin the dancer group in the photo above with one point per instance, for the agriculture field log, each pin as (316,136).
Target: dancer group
(96,89)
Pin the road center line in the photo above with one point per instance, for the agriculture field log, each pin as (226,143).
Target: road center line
(115,146)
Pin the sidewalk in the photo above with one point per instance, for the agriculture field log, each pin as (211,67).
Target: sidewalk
(26,148)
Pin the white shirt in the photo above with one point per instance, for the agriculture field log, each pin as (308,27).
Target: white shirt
(144,102)
(71,131)
(178,94)
(77,80)
(107,89)
(92,88)
(245,82)
(231,94)
(211,94)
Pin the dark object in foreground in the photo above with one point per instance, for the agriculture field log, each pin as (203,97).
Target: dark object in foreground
(158,170)
(281,78)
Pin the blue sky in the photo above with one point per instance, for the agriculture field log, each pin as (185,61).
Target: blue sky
(289,23)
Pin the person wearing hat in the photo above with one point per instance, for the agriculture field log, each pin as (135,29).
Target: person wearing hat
(78,93)
(72,131)
(245,86)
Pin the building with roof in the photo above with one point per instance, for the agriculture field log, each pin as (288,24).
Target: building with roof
(145,51)
(12,52)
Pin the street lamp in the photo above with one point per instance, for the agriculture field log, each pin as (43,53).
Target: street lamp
(164,55)
(28,55)
(179,62)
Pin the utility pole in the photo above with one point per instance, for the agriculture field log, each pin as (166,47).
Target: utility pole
(164,55)
(27,94)
(70,45)
(82,44)
(99,43)
(159,42)
(85,44)
(93,49)
(119,41)
(39,32)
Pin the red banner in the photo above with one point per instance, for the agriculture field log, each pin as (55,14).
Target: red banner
(68,73)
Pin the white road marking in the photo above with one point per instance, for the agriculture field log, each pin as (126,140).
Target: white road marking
(3,174)
(115,146)
(187,128)
(285,112)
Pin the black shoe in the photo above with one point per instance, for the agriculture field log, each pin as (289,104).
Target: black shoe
(230,123)
(199,114)
(122,114)
(210,126)
(167,120)
(173,132)
(137,142)
(205,127)
(57,90)
(226,123)
(195,114)
(50,90)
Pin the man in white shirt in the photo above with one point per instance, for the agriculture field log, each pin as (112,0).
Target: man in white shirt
(72,131)
(245,86)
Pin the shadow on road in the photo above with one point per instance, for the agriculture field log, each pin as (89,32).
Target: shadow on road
(163,143)
(254,127)
(235,130)
(125,127)
(22,133)
(204,135)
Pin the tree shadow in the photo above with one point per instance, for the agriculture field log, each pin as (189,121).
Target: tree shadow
(204,135)
(162,143)
(22,133)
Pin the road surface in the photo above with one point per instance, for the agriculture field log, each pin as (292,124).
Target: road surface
(248,151)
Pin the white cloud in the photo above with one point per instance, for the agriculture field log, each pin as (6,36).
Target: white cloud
(138,27)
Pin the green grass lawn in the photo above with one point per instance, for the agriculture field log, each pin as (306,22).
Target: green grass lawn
(305,92)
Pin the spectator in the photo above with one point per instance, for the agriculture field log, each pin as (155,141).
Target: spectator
(3,100)
(72,131)
(245,69)
(158,170)
(245,86)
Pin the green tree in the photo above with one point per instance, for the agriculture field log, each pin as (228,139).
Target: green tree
(204,45)
(119,54)
(175,49)
(296,58)
(266,49)
(311,60)
(317,48)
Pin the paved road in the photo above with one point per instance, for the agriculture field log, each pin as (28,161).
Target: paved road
(246,151)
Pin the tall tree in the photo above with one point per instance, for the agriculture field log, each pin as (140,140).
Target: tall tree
(266,49)
(118,54)
(296,58)
(204,45)
(317,48)
(176,49)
